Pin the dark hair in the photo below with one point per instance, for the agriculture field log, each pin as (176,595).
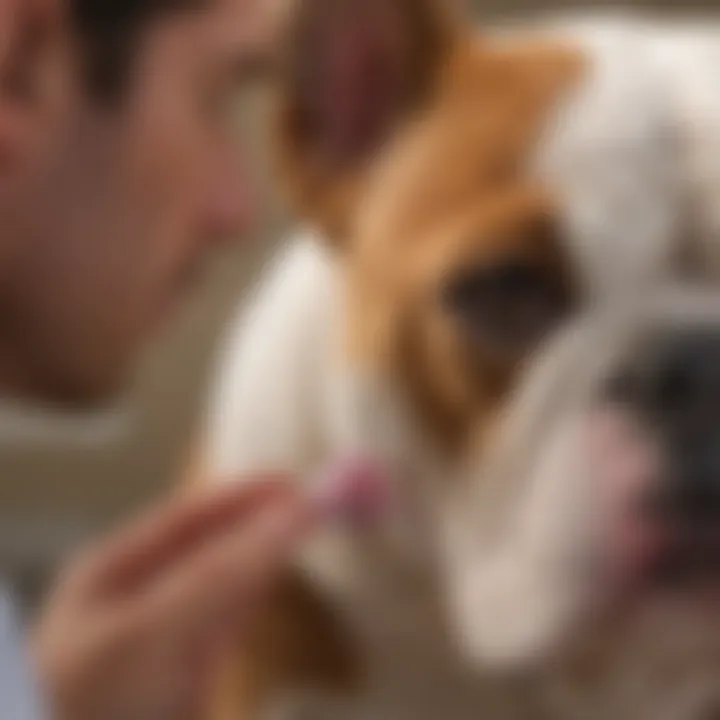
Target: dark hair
(109,32)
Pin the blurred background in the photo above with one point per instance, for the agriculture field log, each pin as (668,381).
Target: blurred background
(62,484)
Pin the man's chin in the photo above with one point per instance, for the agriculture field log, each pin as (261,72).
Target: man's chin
(83,392)
(64,400)
(63,423)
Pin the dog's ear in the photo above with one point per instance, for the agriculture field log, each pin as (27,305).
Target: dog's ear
(350,72)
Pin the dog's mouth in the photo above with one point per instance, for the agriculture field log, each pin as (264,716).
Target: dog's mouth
(687,565)
(655,535)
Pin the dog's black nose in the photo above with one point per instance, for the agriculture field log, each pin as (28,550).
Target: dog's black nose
(682,395)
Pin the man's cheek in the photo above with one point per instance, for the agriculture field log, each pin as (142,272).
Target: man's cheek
(231,201)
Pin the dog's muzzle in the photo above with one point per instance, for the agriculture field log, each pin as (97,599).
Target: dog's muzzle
(673,389)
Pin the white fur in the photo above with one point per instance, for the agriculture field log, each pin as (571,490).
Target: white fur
(519,592)
(630,152)
(266,411)
(271,409)
(635,153)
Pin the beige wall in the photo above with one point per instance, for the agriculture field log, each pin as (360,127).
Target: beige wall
(52,492)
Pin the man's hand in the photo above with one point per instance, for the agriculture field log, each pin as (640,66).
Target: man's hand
(134,630)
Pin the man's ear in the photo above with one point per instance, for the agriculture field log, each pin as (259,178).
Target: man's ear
(351,71)
(28,29)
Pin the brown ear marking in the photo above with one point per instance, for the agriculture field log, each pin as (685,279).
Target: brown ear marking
(400,328)
(392,73)
(299,642)
(501,91)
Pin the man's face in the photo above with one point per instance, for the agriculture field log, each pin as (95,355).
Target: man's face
(107,212)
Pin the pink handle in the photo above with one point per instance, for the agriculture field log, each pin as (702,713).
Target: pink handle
(354,491)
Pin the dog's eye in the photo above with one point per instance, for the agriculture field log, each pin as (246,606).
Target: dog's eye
(508,306)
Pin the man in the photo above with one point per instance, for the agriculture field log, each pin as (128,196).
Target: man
(117,173)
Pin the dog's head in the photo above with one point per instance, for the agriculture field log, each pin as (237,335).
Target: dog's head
(408,141)
(591,541)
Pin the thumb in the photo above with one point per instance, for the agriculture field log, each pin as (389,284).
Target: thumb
(220,586)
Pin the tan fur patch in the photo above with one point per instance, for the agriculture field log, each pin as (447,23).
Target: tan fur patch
(297,643)
(452,191)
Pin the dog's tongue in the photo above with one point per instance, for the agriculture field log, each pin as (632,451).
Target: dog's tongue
(353,491)
(625,466)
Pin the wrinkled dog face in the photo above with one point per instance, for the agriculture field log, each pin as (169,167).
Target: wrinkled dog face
(593,540)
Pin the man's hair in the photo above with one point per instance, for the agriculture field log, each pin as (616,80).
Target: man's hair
(109,32)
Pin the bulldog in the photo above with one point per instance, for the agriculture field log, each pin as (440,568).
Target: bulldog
(479,316)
